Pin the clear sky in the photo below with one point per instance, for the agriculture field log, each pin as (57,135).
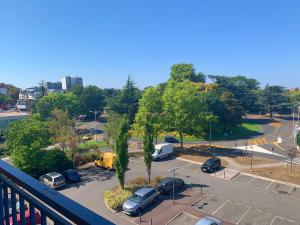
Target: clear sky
(104,41)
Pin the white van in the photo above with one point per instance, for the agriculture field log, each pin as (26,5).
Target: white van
(162,151)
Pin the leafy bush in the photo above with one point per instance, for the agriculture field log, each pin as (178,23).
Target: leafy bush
(56,160)
(92,145)
(86,157)
(115,198)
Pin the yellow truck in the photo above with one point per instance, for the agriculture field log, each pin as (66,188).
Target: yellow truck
(106,160)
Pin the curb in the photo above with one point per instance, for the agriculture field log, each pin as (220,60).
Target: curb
(270,179)
(110,209)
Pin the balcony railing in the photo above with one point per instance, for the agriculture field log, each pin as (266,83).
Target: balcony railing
(25,201)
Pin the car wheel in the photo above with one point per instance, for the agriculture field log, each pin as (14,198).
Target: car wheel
(138,212)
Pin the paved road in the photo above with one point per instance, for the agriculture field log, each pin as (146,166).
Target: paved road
(239,200)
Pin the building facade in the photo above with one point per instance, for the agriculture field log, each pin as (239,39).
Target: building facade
(69,82)
(3,89)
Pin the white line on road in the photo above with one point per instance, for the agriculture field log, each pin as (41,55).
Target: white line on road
(253,178)
(268,186)
(242,217)
(290,190)
(218,209)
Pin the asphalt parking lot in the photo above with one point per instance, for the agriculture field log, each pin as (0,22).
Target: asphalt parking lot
(241,200)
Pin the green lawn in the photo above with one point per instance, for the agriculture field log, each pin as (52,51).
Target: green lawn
(92,145)
(246,130)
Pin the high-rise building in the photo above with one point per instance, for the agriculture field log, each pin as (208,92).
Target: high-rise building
(52,85)
(69,82)
(3,89)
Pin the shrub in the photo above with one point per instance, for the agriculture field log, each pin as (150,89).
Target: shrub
(115,197)
(56,160)
(86,157)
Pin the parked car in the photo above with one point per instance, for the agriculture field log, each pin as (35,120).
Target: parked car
(211,165)
(139,200)
(165,186)
(170,139)
(106,160)
(53,180)
(209,221)
(162,151)
(71,176)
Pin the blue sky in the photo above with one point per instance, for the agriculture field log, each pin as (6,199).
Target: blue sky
(104,41)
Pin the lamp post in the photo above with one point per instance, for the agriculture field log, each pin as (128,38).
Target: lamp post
(251,157)
(209,135)
(95,135)
(170,171)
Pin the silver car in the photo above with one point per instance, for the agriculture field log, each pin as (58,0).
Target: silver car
(139,200)
(209,221)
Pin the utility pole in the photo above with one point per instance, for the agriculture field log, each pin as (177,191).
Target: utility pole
(209,135)
(170,171)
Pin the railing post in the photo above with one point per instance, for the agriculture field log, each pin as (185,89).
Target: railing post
(1,202)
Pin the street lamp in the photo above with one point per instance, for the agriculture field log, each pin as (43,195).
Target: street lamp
(251,157)
(95,112)
(173,170)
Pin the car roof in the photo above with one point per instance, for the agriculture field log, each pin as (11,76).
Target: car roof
(161,145)
(54,174)
(143,191)
(207,221)
(212,159)
(169,179)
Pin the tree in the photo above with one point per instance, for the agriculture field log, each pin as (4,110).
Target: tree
(67,102)
(148,147)
(121,150)
(13,92)
(274,98)
(111,128)
(126,102)
(184,110)
(150,108)
(30,133)
(91,98)
(183,71)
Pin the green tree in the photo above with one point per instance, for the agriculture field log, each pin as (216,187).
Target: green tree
(274,98)
(67,102)
(126,102)
(148,147)
(13,92)
(183,71)
(30,132)
(111,128)
(121,150)
(184,110)
(4,99)
(150,108)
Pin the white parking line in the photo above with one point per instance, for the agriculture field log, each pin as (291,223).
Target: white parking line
(218,209)
(242,217)
(279,217)
(253,178)
(290,190)
(268,186)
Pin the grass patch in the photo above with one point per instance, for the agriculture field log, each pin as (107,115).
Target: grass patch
(92,145)
(115,197)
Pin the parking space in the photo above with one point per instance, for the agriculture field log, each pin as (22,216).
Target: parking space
(281,221)
(260,183)
(242,179)
(209,204)
(295,192)
(256,217)
(184,218)
(279,188)
(231,212)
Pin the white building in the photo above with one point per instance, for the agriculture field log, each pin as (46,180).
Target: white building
(69,82)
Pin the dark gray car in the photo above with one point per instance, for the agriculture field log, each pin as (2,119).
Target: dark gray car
(139,200)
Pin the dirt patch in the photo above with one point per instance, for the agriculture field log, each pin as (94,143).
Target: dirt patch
(282,173)
(197,153)
(255,161)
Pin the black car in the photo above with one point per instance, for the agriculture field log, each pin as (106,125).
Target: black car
(211,165)
(165,186)
(71,176)
(170,139)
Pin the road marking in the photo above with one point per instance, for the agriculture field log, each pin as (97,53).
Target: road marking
(279,217)
(242,217)
(268,186)
(218,209)
(292,187)
(253,178)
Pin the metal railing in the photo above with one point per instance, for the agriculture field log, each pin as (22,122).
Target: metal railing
(26,201)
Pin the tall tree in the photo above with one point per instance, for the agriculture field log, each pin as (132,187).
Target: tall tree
(126,102)
(150,108)
(121,150)
(67,102)
(274,98)
(183,71)
(148,147)
(184,109)
(13,92)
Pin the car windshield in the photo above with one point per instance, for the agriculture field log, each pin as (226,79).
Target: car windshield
(58,179)
(136,198)
(209,162)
